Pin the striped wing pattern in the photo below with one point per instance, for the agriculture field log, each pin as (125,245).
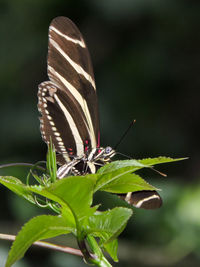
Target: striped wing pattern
(67,101)
(69,109)
(143,199)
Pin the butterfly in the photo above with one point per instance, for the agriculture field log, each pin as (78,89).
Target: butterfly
(69,107)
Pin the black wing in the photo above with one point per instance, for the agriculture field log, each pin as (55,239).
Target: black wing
(68,102)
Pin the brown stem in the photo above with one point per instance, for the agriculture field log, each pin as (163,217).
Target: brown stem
(43,244)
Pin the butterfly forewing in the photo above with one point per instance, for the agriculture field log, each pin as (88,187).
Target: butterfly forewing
(70,67)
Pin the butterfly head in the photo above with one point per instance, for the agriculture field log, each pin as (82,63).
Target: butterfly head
(105,154)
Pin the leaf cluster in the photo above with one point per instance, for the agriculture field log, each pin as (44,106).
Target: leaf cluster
(71,199)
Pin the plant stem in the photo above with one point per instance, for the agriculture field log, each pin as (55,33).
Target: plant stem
(97,258)
(43,244)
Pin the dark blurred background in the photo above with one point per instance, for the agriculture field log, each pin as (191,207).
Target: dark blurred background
(146,58)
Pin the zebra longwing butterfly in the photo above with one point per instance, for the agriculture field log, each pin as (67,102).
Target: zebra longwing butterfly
(69,109)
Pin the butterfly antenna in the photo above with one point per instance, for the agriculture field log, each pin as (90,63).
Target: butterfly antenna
(161,173)
(125,133)
(124,155)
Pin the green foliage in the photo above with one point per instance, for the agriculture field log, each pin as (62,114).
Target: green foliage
(108,225)
(111,248)
(38,228)
(51,163)
(72,198)
(16,186)
(121,181)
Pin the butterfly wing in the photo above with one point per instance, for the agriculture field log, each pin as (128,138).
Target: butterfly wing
(68,102)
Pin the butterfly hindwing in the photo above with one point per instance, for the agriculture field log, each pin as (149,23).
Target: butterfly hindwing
(59,120)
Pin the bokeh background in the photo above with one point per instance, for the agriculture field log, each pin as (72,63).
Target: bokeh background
(146,58)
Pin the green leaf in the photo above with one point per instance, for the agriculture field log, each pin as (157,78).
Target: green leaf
(38,228)
(133,165)
(158,160)
(111,248)
(128,165)
(108,225)
(17,187)
(121,181)
(118,177)
(73,193)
